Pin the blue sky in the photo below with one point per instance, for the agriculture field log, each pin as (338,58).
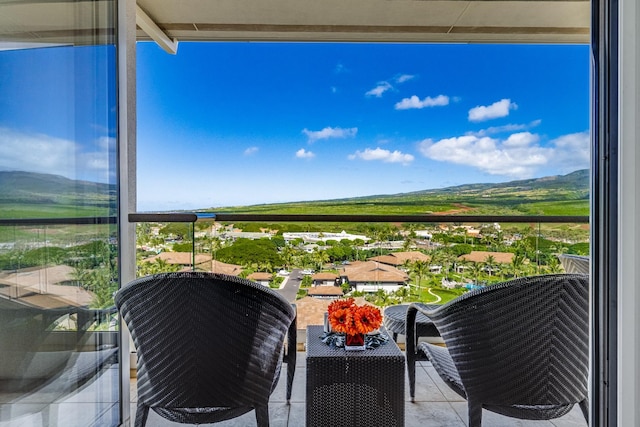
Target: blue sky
(58,111)
(225,124)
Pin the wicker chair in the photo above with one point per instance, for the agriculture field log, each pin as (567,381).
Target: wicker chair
(518,348)
(209,346)
(575,263)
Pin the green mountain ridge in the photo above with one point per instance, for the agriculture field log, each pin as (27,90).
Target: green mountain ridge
(18,184)
(551,195)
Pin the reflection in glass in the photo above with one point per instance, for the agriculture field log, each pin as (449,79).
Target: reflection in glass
(58,241)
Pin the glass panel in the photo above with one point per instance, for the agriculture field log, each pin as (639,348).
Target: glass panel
(58,238)
(310,261)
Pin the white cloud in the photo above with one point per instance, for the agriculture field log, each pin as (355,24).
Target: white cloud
(404,78)
(304,154)
(46,154)
(329,132)
(340,68)
(571,150)
(415,102)
(506,128)
(518,156)
(382,155)
(250,151)
(497,109)
(381,88)
(385,86)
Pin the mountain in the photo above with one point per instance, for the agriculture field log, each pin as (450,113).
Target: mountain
(551,195)
(575,181)
(17,187)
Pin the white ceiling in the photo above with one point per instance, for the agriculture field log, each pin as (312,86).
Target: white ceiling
(476,21)
(451,21)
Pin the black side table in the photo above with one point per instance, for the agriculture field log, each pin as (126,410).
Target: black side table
(354,388)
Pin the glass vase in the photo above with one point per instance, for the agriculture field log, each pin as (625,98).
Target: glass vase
(354,342)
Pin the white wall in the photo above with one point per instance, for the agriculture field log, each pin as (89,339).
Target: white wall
(629,234)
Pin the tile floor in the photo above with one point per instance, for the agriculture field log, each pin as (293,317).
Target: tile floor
(435,406)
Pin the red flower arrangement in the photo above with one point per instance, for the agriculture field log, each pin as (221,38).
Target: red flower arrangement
(347,317)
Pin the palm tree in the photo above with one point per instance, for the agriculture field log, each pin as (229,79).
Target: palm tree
(490,264)
(320,258)
(419,269)
(265,266)
(409,236)
(476,269)
(517,263)
(287,253)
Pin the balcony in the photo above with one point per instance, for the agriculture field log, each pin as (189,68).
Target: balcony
(436,405)
(38,254)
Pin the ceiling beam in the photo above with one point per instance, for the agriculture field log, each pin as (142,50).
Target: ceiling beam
(152,30)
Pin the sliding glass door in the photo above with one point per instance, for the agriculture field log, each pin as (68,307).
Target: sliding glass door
(58,222)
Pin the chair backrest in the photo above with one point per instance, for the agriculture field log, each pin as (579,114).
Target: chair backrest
(204,339)
(525,341)
(575,263)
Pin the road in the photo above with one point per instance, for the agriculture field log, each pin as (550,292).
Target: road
(291,285)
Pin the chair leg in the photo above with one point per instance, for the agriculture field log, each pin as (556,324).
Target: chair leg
(475,414)
(292,341)
(411,370)
(262,416)
(142,412)
(291,369)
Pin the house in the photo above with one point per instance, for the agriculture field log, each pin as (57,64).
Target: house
(261,277)
(44,287)
(371,276)
(204,262)
(185,259)
(328,279)
(325,291)
(399,259)
(481,256)
(221,267)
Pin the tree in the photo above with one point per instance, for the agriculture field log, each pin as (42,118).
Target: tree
(490,264)
(419,269)
(517,263)
(158,265)
(247,252)
(476,269)
(287,254)
(320,258)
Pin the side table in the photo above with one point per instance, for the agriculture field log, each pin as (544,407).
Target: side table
(353,388)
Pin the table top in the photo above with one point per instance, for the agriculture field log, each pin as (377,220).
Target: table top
(316,348)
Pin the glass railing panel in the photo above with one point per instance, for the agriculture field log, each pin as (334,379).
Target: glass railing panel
(311,260)
(59,335)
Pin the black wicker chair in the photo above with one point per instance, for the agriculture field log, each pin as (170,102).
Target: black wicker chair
(575,263)
(209,346)
(518,348)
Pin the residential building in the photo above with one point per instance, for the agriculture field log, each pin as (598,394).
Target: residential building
(372,276)
(324,279)
(400,259)
(261,277)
